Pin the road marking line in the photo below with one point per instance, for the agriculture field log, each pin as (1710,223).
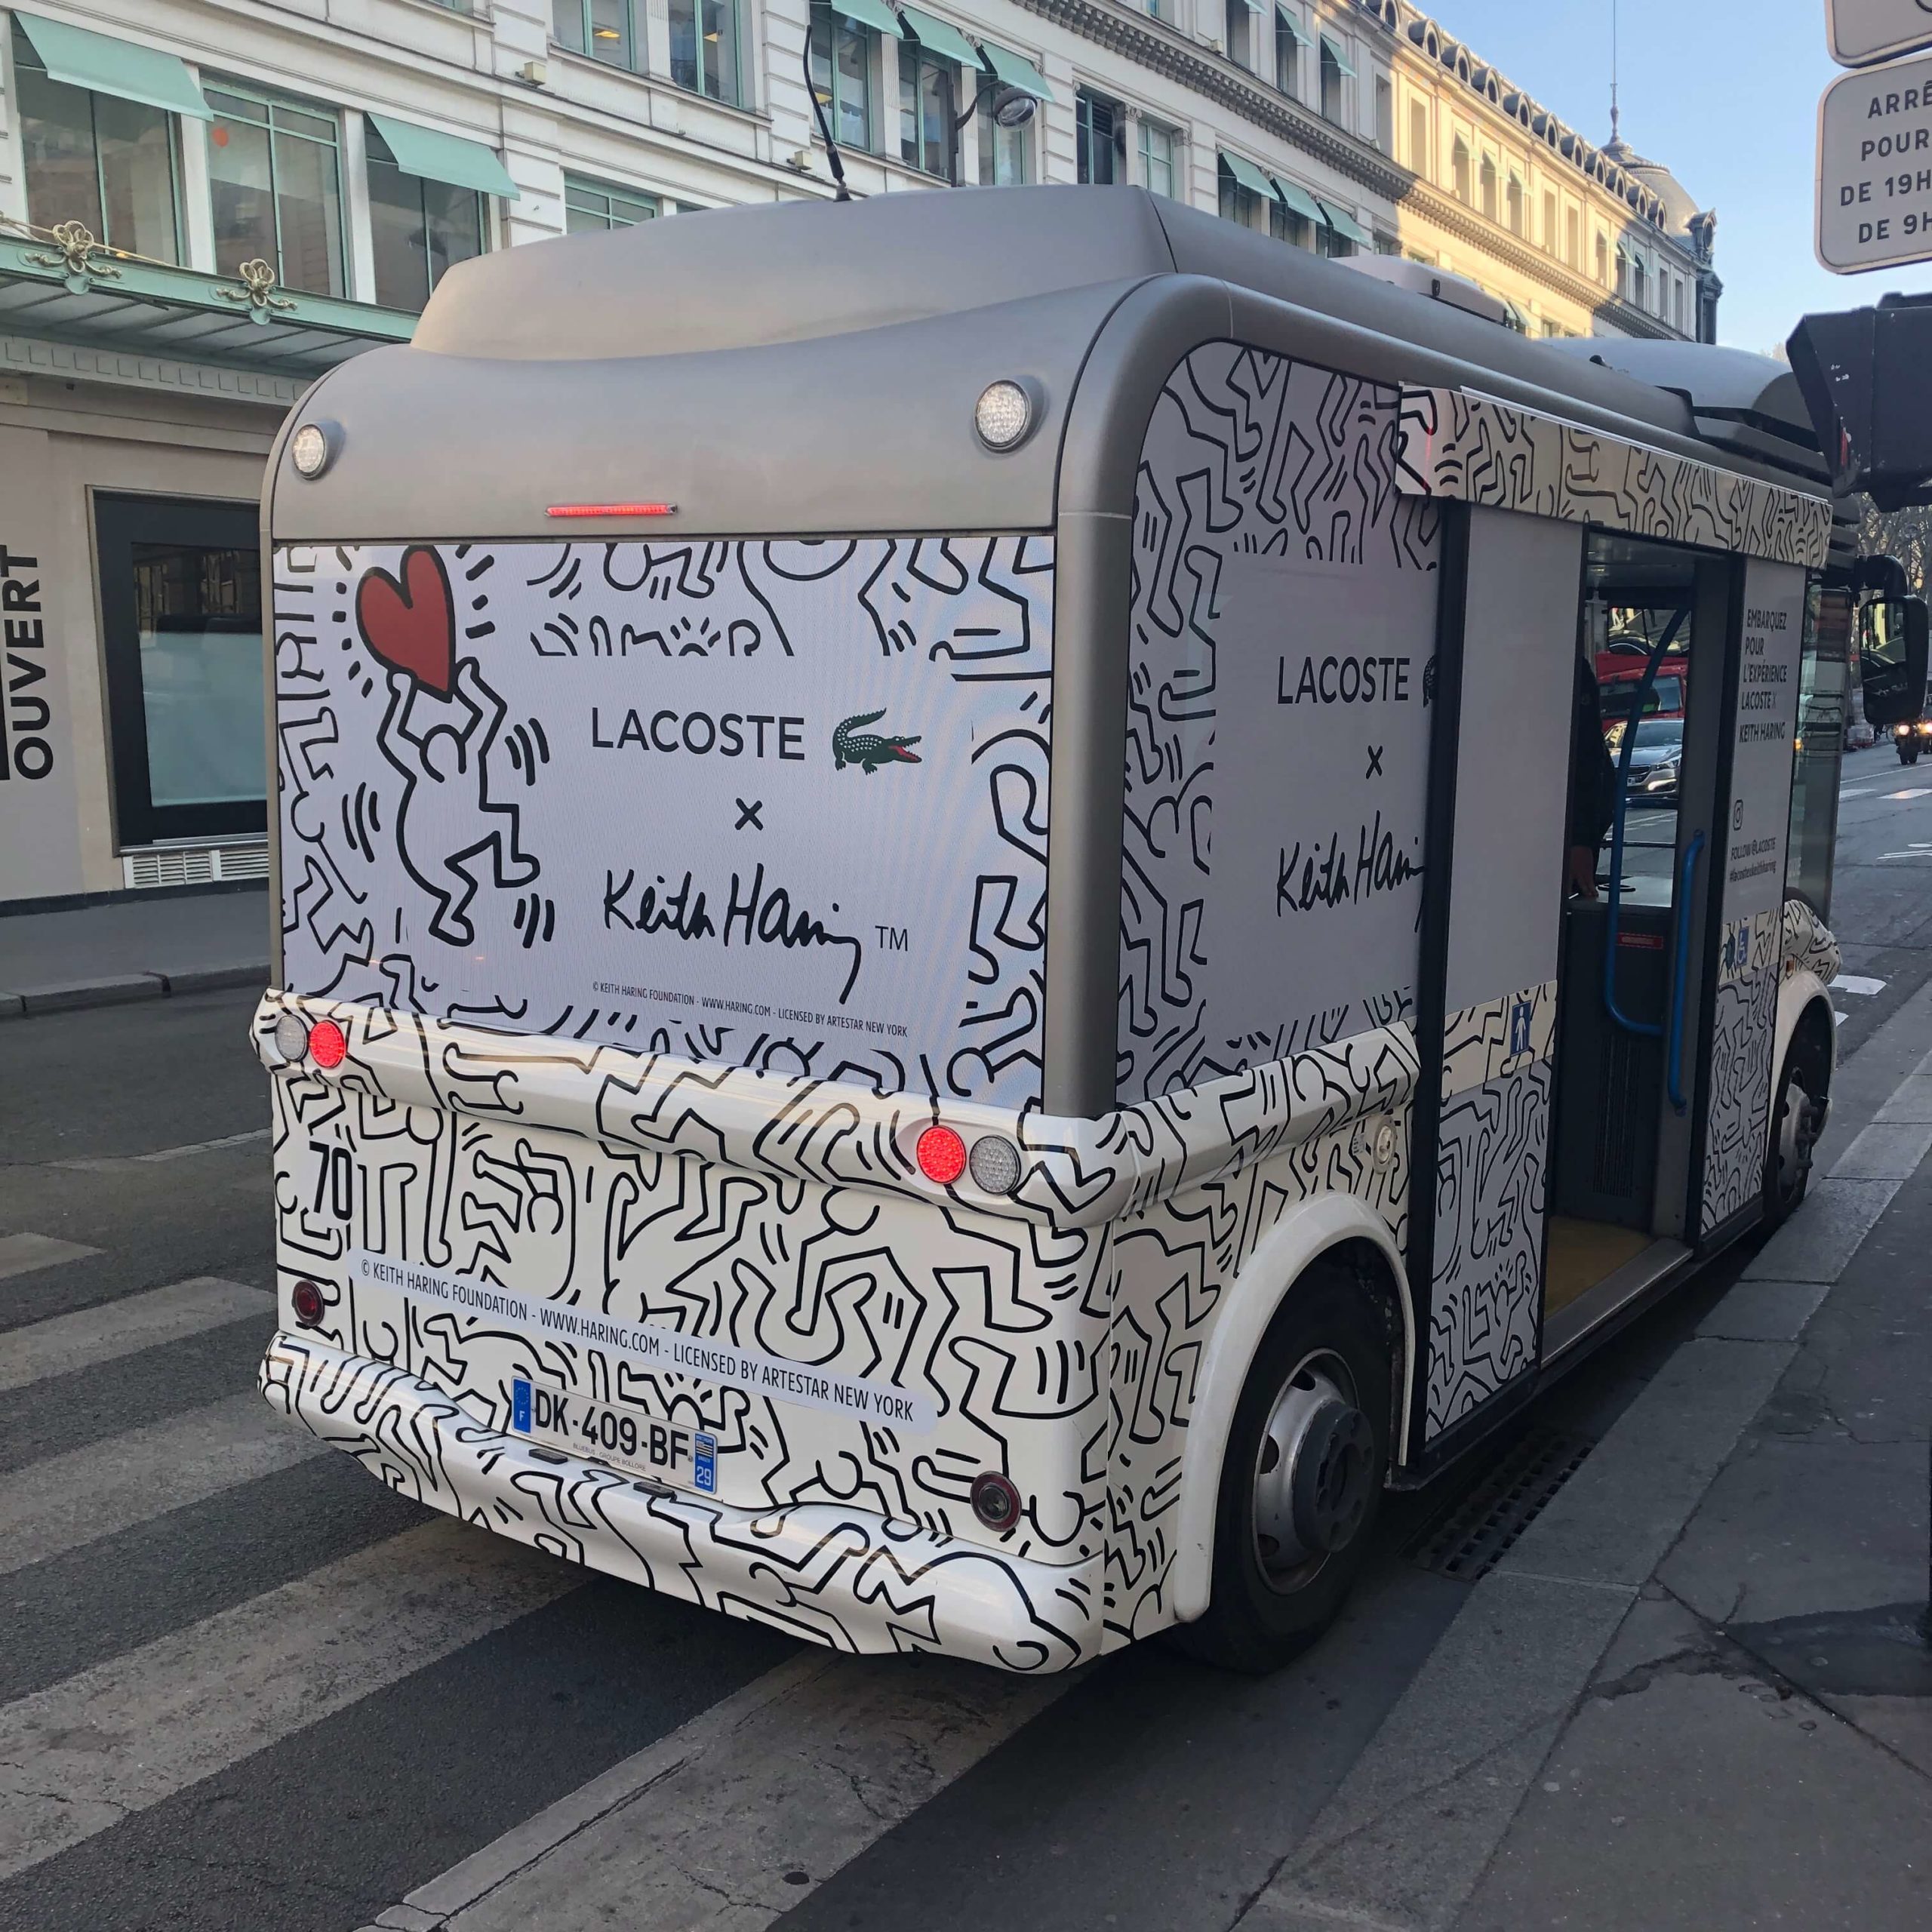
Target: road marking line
(1857,791)
(59,1504)
(82,1755)
(795,1774)
(109,1164)
(124,1327)
(1910,792)
(20,1254)
(1853,982)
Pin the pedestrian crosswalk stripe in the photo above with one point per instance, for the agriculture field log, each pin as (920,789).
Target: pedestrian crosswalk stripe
(750,1806)
(59,1504)
(20,1254)
(66,1342)
(83,1754)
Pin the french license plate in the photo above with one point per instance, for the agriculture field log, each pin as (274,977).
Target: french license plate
(600,1433)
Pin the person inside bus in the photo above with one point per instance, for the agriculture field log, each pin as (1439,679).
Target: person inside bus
(1592,786)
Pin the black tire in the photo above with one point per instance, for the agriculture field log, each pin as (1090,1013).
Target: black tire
(1797,1119)
(1908,750)
(1325,1333)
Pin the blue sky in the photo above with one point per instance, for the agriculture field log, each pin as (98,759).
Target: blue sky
(1724,93)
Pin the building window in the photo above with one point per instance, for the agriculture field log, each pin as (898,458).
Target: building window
(588,206)
(1243,32)
(1006,154)
(1385,115)
(1287,56)
(842,75)
(1488,181)
(1512,203)
(1459,170)
(181,625)
(1332,71)
(1097,131)
(96,159)
(1639,288)
(418,229)
(1157,157)
(1572,245)
(927,85)
(1677,304)
(605,29)
(1242,204)
(275,175)
(704,49)
(1603,257)
(1419,137)
(1549,222)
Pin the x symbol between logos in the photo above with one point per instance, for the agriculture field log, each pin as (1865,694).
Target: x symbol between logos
(747,814)
(1374,762)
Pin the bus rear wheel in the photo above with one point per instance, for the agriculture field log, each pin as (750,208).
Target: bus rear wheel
(1796,1122)
(1301,1481)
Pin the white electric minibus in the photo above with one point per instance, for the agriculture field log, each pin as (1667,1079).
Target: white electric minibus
(965,945)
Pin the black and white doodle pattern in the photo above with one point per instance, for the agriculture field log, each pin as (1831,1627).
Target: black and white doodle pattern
(1478,450)
(1058,1335)
(1809,946)
(1491,1193)
(1738,1121)
(1248,456)
(557,789)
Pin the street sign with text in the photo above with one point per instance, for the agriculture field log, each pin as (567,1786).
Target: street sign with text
(1874,168)
(1861,31)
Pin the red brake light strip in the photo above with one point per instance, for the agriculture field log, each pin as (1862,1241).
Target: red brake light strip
(612,509)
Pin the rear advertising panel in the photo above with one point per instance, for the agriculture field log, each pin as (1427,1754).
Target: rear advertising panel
(779,805)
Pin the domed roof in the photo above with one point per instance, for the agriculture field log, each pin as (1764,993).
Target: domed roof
(1679,210)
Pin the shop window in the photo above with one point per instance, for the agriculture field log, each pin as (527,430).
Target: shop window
(842,75)
(705,55)
(607,30)
(1157,157)
(1097,128)
(418,228)
(1241,204)
(927,86)
(275,175)
(181,623)
(107,163)
(1006,154)
(588,205)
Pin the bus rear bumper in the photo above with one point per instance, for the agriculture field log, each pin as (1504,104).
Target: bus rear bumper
(844,1577)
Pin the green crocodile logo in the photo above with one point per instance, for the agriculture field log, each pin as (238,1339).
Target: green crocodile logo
(867,749)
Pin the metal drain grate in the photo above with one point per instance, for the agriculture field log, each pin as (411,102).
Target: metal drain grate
(1470,1540)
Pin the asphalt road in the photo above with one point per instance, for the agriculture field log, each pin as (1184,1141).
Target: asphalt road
(241,1686)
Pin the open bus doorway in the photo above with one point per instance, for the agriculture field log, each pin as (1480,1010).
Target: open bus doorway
(1644,750)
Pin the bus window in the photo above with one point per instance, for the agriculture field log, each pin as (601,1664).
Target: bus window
(1818,749)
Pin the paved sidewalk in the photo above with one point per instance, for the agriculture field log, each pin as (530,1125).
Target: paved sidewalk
(132,948)
(1697,1692)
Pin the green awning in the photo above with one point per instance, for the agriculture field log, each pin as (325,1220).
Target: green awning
(118,67)
(1346,225)
(445,158)
(1248,175)
(948,43)
(1335,54)
(871,14)
(1296,32)
(1016,70)
(1298,201)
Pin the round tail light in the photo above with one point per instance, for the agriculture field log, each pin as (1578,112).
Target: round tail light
(995,1501)
(328,1045)
(291,1036)
(307,1299)
(941,1155)
(995,1164)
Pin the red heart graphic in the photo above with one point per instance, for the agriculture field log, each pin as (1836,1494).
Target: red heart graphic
(410,625)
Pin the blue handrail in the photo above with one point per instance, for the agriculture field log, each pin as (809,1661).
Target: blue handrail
(1644,685)
(1678,974)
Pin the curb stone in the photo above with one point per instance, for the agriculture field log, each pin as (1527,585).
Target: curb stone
(121,988)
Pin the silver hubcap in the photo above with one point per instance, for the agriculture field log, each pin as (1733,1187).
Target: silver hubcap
(1795,1138)
(1314,1473)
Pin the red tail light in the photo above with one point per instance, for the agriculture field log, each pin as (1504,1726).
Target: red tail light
(328,1045)
(307,1299)
(941,1155)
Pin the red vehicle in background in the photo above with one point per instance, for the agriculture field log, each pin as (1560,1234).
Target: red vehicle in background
(1619,671)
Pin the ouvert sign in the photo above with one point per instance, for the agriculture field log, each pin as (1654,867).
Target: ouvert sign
(1861,31)
(1874,168)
